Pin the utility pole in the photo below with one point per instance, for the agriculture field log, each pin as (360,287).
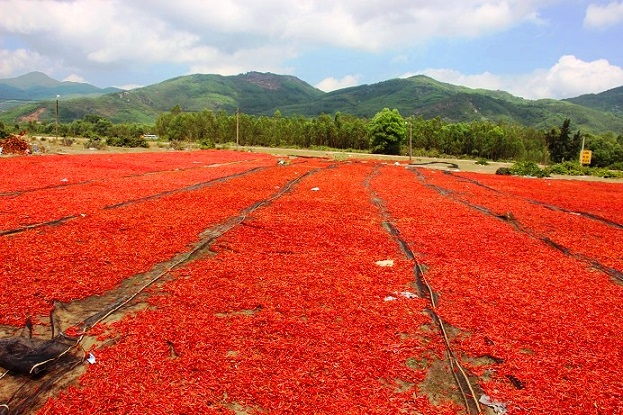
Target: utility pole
(56,118)
(410,140)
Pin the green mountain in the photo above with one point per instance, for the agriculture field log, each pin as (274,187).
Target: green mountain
(37,86)
(611,100)
(426,97)
(264,93)
(32,79)
(252,93)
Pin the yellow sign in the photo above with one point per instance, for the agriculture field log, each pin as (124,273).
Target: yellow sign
(585,156)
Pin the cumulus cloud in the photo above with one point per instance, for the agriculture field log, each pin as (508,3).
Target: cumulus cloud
(264,59)
(13,62)
(569,77)
(374,25)
(76,78)
(484,80)
(128,87)
(229,35)
(331,84)
(602,16)
(572,76)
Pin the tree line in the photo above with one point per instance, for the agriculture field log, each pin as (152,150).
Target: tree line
(433,137)
(426,137)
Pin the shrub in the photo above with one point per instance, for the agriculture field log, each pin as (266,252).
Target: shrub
(206,144)
(127,142)
(482,162)
(616,166)
(95,142)
(606,173)
(569,168)
(177,144)
(67,142)
(528,168)
(421,152)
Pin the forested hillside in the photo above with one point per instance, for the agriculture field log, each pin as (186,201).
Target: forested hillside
(258,94)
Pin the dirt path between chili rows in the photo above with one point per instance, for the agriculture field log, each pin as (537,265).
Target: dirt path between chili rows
(24,347)
(24,393)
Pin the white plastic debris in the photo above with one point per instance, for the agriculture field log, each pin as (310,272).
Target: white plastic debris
(498,407)
(403,294)
(408,294)
(91,358)
(315,189)
(64,180)
(397,163)
(385,263)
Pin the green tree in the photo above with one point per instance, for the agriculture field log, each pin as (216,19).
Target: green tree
(606,150)
(562,146)
(170,124)
(3,132)
(103,127)
(176,110)
(386,130)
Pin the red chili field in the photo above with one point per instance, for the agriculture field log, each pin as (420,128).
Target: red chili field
(227,282)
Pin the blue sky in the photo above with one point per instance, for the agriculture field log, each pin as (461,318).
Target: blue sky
(530,48)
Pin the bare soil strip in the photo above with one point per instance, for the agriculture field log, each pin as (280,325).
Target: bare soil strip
(616,275)
(23,393)
(588,215)
(195,186)
(190,188)
(25,228)
(465,382)
(82,183)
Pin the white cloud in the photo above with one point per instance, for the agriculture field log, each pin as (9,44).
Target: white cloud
(569,77)
(331,84)
(229,35)
(16,62)
(484,80)
(377,25)
(602,16)
(572,76)
(75,78)
(262,59)
(128,86)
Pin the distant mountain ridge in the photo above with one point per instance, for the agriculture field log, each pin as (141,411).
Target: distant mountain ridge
(610,100)
(37,86)
(252,93)
(259,93)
